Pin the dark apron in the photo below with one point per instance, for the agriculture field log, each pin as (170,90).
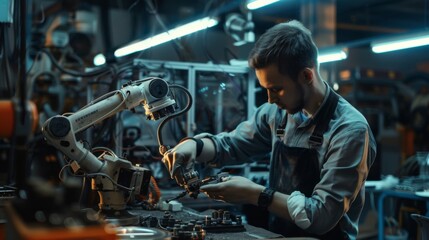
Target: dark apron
(297,169)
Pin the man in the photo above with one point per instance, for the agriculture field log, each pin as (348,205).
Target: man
(321,147)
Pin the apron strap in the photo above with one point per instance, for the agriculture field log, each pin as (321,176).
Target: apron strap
(280,131)
(323,118)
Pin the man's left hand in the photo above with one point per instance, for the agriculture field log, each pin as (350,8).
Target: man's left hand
(238,190)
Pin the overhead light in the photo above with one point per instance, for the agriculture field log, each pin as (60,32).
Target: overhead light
(255,4)
(99,59)
(332,55)
(401,42)
(167,36)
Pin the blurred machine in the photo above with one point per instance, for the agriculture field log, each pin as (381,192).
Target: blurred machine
(240,28)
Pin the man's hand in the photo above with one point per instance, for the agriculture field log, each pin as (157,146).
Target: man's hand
(239,190)
(180,159)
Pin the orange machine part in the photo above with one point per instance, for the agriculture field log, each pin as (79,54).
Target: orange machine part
(20,230)
(35,116)
(7,118)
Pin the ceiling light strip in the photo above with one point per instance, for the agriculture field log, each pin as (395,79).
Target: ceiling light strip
(167,36)
(332,56)
(255,4)
(401,42)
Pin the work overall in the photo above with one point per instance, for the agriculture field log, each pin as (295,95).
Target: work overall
(297,169)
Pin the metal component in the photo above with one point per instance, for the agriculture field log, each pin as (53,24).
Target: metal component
(239,28)
(207,221)
(192,183)
(123,233)
(226,218)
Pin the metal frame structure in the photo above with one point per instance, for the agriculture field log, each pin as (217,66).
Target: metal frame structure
(192,69)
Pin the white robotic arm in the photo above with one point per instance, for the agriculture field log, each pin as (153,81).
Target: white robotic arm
(114,178)
(60,131)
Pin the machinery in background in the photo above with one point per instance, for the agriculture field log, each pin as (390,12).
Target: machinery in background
(10,116)
(240,28)
(224,94)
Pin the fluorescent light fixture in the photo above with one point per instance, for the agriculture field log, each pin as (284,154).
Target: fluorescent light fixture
(332,55)
(255,4)
(167,36)
(401,42)
(99,59)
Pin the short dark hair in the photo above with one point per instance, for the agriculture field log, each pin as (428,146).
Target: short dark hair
(289,45)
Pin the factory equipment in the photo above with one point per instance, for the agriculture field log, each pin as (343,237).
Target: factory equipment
(115,179)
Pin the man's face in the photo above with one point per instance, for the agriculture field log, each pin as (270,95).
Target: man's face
(282,89)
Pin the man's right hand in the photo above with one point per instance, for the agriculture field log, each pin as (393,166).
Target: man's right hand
(180,159)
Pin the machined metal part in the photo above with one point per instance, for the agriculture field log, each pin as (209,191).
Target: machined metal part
(192,183)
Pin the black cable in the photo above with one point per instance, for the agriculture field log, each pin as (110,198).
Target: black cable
(162,147)
(22,57)
(177,131)
(16,32)
(21,140)
(133,5)
(75,57)
(74,73)
(152,9)
(106,32)
(5,61)
(11,164)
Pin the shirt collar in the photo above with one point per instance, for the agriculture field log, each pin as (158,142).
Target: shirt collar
(301,117)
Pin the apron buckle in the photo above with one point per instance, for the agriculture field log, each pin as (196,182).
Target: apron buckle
(280,132)
(316,139)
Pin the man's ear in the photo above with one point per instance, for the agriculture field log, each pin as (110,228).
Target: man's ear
(308,75)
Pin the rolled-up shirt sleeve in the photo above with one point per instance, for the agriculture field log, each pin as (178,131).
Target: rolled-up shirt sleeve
(343,174)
